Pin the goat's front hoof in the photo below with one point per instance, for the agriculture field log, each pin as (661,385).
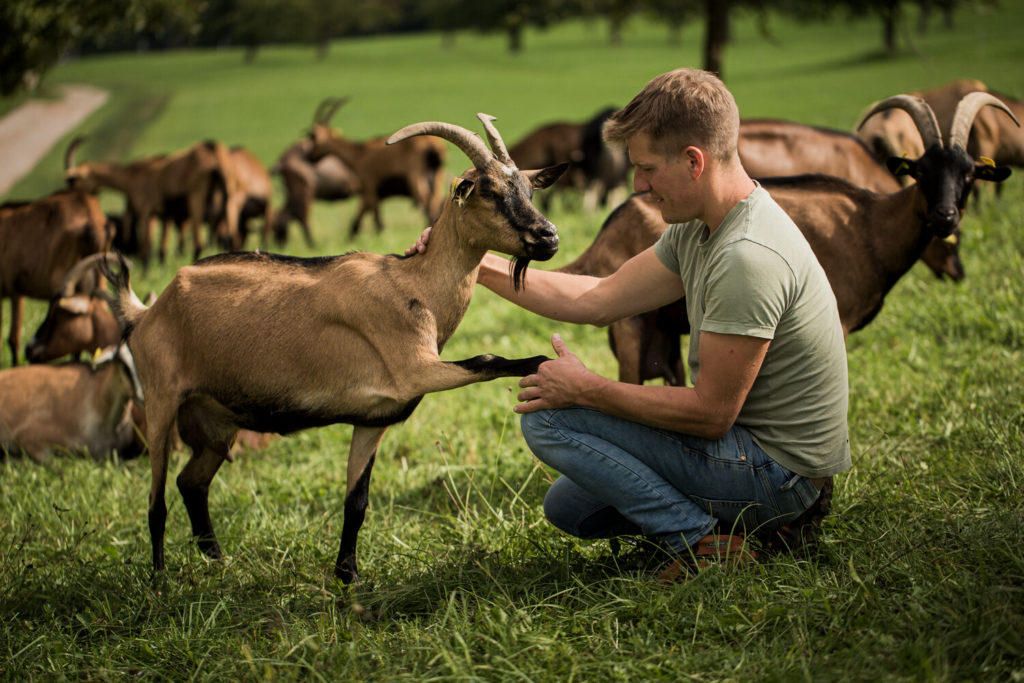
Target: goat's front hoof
(349,577)
(531,365)
(210,548)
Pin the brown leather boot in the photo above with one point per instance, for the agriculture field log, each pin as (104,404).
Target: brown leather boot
(714,549)
(802,532)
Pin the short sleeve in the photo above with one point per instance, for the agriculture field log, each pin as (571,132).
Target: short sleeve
(749,287)
(667,248)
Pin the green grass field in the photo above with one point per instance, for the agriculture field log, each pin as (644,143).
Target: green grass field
(920,574)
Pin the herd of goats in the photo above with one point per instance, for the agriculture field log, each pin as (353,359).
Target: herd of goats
(205,360)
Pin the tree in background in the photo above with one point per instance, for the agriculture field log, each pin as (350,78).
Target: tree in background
(617,12)
(37,33)
(674,14)
(511,17)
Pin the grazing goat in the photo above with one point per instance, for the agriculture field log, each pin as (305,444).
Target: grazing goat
(277,343)
(413,168)
(149,184)
(328,179)
(40,241)
(864,241)
(78,318)
(74,407)
(772,147)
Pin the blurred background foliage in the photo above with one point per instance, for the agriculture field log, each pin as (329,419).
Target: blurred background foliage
(37,34)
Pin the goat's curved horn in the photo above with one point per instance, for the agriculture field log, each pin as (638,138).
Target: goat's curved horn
(327,108)
(497,144)
(75,280)
(466,140)
(923,116)
(69,155)
(966,109)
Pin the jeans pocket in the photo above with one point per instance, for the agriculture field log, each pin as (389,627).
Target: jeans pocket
(802,489)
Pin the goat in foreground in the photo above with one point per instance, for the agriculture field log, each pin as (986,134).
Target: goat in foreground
(277,343)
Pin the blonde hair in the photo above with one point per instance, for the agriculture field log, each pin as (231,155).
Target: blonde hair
(678,109)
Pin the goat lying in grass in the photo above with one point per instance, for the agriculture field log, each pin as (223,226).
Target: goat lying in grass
(276,343)
(74,407)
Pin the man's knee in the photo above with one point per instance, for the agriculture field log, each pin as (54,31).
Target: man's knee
(534,425)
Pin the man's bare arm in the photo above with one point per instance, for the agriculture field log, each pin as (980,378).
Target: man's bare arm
(729,365)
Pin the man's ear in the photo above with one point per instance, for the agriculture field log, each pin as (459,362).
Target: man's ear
(696,160)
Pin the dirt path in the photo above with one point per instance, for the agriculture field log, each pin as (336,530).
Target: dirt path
(28,132)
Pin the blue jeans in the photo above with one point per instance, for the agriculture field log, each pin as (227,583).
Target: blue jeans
(623,478)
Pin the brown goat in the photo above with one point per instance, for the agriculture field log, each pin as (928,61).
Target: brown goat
(78,318)
(40,242)
(328,179)
(413,168)
(249,181)
(864,241)
(547,145)
(277,343)
(76,407)
(149,184)
(772,147)
(595,169)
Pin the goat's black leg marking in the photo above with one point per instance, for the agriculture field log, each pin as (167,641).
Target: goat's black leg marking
(157,526)
(194,485)
(355,511)
(496,366)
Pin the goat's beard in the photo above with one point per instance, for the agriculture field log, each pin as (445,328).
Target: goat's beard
(518,272)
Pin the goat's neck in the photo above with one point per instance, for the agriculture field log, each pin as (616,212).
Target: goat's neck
(899,246)
(114,176)
(350,152)
(449,269)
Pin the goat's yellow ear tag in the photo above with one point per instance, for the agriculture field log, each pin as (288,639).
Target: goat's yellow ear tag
(987,161)
(96,354)
(953,239)
(461,189)
(455,182)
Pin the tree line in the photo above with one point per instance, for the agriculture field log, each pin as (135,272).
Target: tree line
(38,33)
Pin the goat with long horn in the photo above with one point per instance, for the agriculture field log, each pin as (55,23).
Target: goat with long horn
(277,343)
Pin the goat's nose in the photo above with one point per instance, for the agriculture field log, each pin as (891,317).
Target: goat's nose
(548,231)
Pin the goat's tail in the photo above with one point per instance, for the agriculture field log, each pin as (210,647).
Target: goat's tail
(124,304)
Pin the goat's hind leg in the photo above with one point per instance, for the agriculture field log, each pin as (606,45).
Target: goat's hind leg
(362,453)
(159,432)
(206,427)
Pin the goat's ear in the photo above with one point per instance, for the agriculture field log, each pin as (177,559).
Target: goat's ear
(991,172)
(900,166)
(546,177)
(461,189)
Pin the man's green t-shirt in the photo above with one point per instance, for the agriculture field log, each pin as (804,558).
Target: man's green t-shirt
(757,276)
